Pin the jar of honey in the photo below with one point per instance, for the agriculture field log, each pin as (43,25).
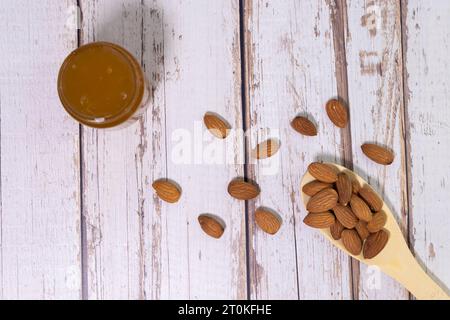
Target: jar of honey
(102,85)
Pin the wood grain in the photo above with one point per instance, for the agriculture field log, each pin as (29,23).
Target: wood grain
(427,75)
(40,256)
(138,246)
(290,67)
(374,56)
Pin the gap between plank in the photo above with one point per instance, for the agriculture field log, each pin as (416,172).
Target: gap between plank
(339,22)
(405,124)
(245,107)
(83,236)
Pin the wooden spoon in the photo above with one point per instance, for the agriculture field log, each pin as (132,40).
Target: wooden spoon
(395,259)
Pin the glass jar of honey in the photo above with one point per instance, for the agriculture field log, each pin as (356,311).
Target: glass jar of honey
(102,85)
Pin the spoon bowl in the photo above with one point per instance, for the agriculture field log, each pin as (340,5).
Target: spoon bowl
(395,259)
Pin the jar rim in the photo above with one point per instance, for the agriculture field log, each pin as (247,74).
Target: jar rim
(127,111)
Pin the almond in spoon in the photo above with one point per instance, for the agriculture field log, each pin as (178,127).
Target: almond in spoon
(344,188)
(314,187)
(345,216)
(375,243)
(320,220)
(377,223)
(336,230)
(360,208)
(323,201)
(372,199)
(352,242)
(361,228)
(323,172)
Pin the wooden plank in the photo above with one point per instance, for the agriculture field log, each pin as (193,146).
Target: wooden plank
(374,56)
(426,41)
(117,201)
(138,246)
(40,255)
(290,71)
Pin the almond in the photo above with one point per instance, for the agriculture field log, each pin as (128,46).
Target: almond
(361,228)
(345,216)
(336,230)
(267,220)
(323,172)
(211,226)
(378,153)
(266,149)
(243,190)
(377,223)
(167,190)
(319,220)
(360,208)
(304,126)
(375,243)
(315,186)
(372,199)
(344,188)
(337,113)
(355,186)
(216,125)
(352,242)
(323,201)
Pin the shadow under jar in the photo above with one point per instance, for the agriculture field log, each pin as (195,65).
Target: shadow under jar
(101,85)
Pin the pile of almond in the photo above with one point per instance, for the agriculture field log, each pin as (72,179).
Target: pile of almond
(352,212)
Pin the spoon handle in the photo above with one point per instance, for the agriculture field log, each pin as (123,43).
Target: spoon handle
(406,270)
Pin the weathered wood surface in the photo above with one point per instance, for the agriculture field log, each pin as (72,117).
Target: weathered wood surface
(86,223)
(291,71)
(40,254)
(427,76)
(373,46)
(138,246)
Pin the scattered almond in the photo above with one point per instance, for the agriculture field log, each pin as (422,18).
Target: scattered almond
(216,125)
(344,188)
(319,220)
(337,113)
(378,153)
(361,228)
(315,186)
(372,199)
(323,201)
(360,208)
(167,190)
(377,223)
(352,242)
(304,126)
(345,216)
(323,172)
(266,149)
(267,220)
(336,230)
(211,226)
(243,190)
(375,243)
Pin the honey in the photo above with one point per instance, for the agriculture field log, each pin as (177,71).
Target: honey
(102,85)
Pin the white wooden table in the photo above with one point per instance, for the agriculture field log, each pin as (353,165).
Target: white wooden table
(78,215)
